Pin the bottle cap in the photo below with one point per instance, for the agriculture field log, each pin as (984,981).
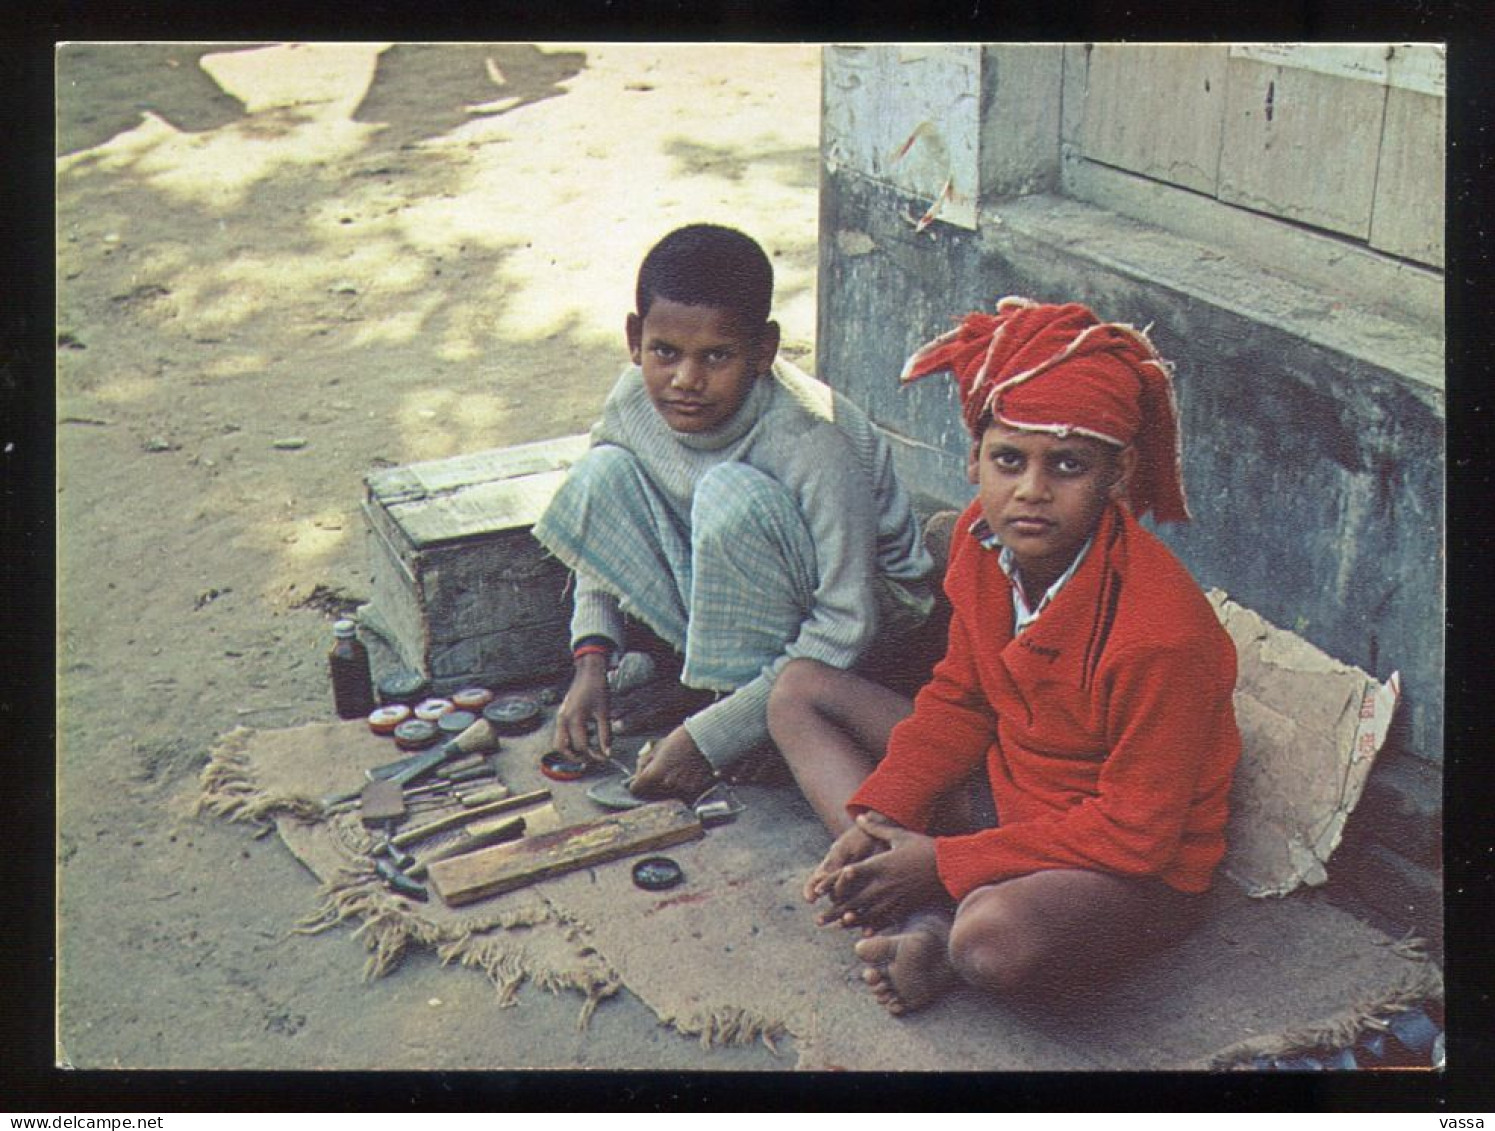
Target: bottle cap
(344,629)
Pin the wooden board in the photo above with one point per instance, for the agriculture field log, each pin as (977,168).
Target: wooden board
(453,820)
(1301,145)
(1156,110)
(432,479)
(508,866)
(1408,214)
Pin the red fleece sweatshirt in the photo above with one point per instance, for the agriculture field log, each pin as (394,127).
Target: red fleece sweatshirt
(1107,727)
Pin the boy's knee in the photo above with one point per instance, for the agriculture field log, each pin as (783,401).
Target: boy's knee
(991,949)
(798,687)
(730,498)
(604,467)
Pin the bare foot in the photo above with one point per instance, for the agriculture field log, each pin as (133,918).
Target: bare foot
(911,968)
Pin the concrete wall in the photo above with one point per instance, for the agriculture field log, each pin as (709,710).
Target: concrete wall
(1313,421)
(1309,361)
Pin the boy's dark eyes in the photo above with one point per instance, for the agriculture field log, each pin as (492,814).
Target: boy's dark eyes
(712,357)
(1059,465)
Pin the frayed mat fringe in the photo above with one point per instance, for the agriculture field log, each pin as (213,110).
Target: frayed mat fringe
(229,790)
(1337,1032)
(731,1027)
(389,928)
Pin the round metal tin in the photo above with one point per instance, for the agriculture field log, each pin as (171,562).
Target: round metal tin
(657,873)
(432,709)
(416,734)
(472,698)
(513,714)
(383,720)
(612,792)
(455,722)
(560,767)
(404,686)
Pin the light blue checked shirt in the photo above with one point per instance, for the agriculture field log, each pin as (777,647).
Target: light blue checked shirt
(1022,615)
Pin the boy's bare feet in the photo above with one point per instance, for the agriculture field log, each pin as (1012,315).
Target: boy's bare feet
(909,969)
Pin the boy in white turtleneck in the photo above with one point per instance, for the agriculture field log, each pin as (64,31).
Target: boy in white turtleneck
(742,510)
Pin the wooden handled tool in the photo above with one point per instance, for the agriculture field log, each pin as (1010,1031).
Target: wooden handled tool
(508,830)
(442,824)
(476,739)
(504,867)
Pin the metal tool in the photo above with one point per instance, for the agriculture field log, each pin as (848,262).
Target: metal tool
(399,881)
(476,739)
(382,803)
(442,824)
(511,829)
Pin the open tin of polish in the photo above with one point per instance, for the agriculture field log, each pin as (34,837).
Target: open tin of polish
(562,767)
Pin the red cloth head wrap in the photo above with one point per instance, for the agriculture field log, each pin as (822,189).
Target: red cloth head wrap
(1059,369)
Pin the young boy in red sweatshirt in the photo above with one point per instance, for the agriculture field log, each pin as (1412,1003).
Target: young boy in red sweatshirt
(1086,675)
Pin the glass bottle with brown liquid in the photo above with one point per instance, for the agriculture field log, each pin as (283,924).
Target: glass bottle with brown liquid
(352,683)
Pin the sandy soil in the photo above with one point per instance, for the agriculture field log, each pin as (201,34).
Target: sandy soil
(279,268)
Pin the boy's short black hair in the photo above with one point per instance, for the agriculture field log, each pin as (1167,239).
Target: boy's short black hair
(708,265)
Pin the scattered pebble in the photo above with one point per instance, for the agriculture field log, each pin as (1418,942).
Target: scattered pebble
(290,443)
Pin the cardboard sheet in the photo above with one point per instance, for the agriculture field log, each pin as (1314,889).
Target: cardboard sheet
(1311,728)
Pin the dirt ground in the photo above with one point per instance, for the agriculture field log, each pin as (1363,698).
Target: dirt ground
(281,267)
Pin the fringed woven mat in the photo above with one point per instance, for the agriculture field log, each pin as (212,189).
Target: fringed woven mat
(733,955)
(274,778)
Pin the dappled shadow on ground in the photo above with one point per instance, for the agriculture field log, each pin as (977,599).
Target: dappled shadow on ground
(417,100)
(278,268)
(797,168)
(98,90)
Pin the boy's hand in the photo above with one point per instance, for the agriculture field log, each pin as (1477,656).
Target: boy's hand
(887,885)
(585,702)
(852,845)
(673,767)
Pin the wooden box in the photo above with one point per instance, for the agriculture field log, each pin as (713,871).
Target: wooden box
(461,589)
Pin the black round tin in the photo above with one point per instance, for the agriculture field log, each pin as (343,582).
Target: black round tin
(513,714)
(404,686)
(657,873)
